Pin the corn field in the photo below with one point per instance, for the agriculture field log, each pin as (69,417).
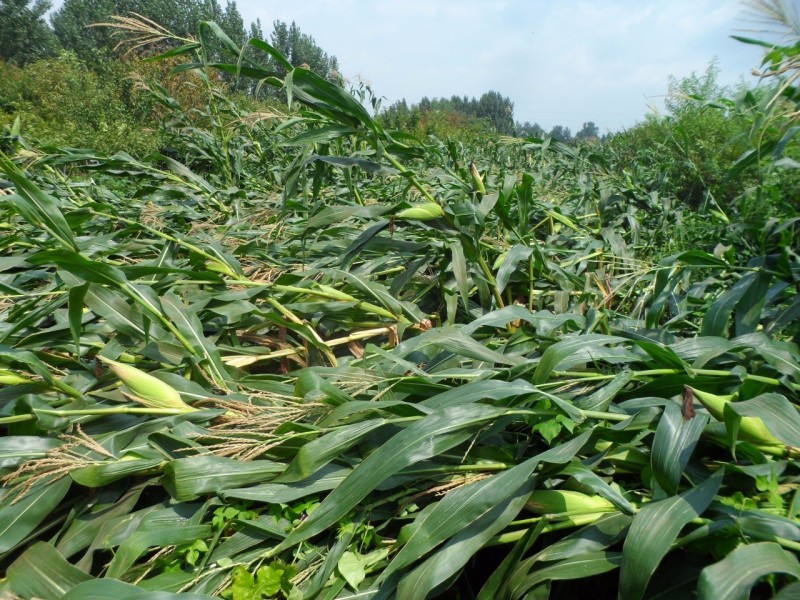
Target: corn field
(297,355)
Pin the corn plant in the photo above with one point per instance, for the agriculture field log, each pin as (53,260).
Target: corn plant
(318,359)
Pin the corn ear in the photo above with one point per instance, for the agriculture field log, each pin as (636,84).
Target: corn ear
(751,429)
(477,181)
(11,378)
(713,403)
(220,267)
(146,389)
(421,212)
(545,502)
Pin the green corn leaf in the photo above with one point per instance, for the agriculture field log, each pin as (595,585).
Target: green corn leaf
(86,527)
(715,321)
(76,299)
(187,478)
(190,326)
(589,478)
(16,449)
(560,351)
(601,399)
(479,390)
(664,356)
(508,268)
(42,572)
(103,589)
(113,307)
(329,99)
(748,310)
(367,166)
(19,518)
(35,206)
(459,263)
(103,473)
(271,51)
(655,527)
(453,340)
(675,440)
(438,569)
(319,452)
(777,413)
(226,42)
(339,214)
(467,504)
(576,567)
(326,478)
(320,135)
(497,587)
(698,258)
(29,359)
(168,533)
(500,318)
(732,577)
(424,439)
(606,531)
(86,269)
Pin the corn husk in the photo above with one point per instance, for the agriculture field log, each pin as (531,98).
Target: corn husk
(751,429)
(220,267)
(11,378)
(477,180)
(421,212)
(146,389)
(548,502)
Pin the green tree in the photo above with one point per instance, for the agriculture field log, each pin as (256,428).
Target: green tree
(560,133)
(72,21)
(527,129)
(499,110)
(589,131)
(301,49)
(24,33)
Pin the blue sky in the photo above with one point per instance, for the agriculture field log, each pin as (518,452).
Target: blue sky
(560,61)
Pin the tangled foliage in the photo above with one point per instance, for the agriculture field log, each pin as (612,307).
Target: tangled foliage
(295,355)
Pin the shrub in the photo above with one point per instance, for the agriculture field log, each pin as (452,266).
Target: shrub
(62,102)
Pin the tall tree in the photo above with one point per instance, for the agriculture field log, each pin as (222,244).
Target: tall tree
(24,34)
(527,129)
(301,49)
(499,110)
(589,131)
(560,133)
(71,22)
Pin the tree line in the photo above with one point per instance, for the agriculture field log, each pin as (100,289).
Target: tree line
(493,110)
(27,36)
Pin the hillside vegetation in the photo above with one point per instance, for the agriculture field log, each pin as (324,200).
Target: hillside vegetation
(283,351)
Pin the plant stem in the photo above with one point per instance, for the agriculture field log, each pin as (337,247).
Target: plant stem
(583,376)
(243,360)
(117,410)
(460,469)
(411,178)
(16,419)
(577,521)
